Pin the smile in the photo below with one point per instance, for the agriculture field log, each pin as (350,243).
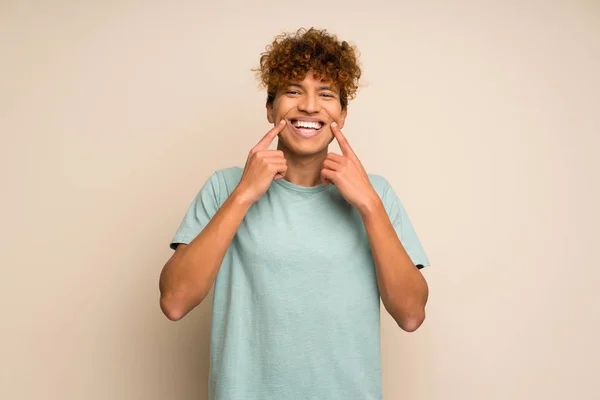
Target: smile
(306,127)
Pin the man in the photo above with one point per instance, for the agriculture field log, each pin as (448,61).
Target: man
(301,245)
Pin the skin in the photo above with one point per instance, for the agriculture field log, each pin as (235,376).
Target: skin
(309,98)
(190,273)
(403,289)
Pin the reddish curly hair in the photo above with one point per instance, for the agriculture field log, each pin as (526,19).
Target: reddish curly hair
(291,55)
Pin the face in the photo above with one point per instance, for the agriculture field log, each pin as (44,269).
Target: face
(309,107)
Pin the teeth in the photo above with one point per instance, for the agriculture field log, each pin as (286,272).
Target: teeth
(306,124)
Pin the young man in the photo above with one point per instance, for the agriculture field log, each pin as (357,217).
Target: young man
(301,245)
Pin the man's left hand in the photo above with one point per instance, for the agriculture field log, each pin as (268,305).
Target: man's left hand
(347,173)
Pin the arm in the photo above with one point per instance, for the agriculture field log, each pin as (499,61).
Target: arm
(189,274)
(402,287)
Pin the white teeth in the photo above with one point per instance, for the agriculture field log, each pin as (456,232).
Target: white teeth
(306,124)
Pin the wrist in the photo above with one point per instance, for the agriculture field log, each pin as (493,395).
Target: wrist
(371,206)
(241,198)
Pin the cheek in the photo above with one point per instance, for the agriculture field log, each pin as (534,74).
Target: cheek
(283,112)
(281,107)
(334,112)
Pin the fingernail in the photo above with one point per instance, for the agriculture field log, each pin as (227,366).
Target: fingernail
(282,121)
(334,124)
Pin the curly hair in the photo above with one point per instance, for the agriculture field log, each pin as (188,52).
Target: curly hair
(291,55)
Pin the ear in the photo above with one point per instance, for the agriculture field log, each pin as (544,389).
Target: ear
(269,108)
(343,117)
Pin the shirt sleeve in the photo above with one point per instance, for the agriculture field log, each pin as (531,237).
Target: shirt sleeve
(204,206)
(404,228)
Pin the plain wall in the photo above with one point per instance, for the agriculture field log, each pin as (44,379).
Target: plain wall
(484,116)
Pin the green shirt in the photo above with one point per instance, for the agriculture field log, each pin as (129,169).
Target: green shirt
(296,303)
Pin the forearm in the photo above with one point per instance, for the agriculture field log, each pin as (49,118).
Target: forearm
(403,289)
(189,275)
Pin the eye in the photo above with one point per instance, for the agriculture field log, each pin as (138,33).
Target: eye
(292,92)
(327,95)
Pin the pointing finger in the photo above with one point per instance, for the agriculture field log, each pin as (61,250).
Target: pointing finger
(266,141)
(343,142)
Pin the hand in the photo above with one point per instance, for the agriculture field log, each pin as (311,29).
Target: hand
(262,167)
(347,173)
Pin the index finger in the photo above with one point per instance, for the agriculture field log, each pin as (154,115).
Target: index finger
(343,142)
(270,136)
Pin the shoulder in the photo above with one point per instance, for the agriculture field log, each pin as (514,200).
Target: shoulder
(379,183)
(225,180)
(229,175)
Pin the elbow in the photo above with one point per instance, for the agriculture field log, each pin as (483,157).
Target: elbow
(412,322)
(172,307)
(408,318)
(177,303)
(411,325)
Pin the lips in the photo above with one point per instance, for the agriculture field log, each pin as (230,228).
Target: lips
(306,127)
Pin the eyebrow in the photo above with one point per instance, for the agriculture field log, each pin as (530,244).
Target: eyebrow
(302,87)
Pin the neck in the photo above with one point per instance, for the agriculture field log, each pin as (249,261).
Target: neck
(303,170)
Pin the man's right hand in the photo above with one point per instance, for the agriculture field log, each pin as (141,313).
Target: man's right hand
(262,167)
(190,273)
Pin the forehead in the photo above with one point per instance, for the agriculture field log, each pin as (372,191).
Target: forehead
(311,81)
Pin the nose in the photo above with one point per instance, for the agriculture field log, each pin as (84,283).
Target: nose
(309,103)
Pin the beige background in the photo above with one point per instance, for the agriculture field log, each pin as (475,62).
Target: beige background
(485,117)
